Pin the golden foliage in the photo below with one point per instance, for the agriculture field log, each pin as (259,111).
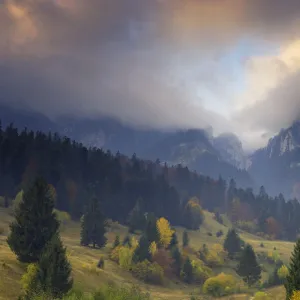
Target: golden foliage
(153,248)
(27,279)
(296,295)
(165,232)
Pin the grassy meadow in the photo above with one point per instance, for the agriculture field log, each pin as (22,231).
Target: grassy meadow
(89,278)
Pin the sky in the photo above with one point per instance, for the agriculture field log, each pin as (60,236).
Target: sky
(165,64)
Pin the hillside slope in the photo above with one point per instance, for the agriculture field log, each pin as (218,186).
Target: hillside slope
(89,278)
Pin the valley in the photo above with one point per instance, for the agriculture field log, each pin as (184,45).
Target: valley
(89,278)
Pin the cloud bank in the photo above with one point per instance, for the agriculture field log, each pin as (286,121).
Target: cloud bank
(155,63)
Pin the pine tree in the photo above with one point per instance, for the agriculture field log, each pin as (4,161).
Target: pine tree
(174,241)
(35,222)
(136,218)
(151,229)
(93,225)
(116,242)
(142,253)
(177,257)
(185,239)
(232,243)
(293,279)
(248,268)
(187,271)
(53,275)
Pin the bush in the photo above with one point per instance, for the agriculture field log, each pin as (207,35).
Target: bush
(209,234)
(164,259)
(114,254)
(125,258)
(219,233)
(261,296)
(247,226)
(262,245)
(27,280)
(200,272)
(147,272)
(282,272)
(220,285)
(100,264)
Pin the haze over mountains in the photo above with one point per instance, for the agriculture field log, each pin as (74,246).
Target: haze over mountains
(277,166)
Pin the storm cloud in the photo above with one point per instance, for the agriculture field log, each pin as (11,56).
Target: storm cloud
(152,62)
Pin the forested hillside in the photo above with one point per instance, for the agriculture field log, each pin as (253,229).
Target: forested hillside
(119,182)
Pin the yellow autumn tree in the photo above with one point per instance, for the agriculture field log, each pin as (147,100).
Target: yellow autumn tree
(153,248)
(296,295)
(165,232)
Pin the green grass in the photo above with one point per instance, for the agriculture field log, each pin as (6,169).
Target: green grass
(89,278)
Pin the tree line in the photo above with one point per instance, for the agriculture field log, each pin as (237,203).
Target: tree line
(76,172)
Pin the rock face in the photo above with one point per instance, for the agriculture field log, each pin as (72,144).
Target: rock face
(277,166)
(231,150)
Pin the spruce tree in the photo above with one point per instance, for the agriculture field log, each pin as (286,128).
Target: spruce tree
(174,241)
(53,275)
(187,271)
(177,260)
(35,223)
(248,268)
(185,239)
(142,252)
(293,279)
(116,242)
(151,229)
(232,243)
(136,218)
(93,225)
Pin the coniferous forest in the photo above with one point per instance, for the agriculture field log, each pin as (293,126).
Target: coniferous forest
(77,172)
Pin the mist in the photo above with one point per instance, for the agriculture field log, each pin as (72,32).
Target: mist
(155,64)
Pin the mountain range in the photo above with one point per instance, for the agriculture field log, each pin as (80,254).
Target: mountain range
(277,166)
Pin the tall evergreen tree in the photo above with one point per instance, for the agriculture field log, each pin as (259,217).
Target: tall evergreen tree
(248,268)
(142,251)
(174,240)
(53,275)
(35,222)
(151,229)
(232,243)
(293,279)
(177,259)
(93,225)
(136,218)
(187,271)
(185,239)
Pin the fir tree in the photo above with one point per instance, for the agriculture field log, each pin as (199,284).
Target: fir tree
(174,241)
(151,229)
(93,225)
(232,243)
(293,279)
(187,271)
(116,242)
(177,258)
(185,239)
(248,268)
(136,218)
(35,223)
(142,253)
(53,275)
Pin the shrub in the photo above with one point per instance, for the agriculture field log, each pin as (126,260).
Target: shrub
(164,259)
(220,285)
(27,280)
(147,272)
(261,296)
(100,264)
(209,234)
(219,233)
(247,226)
(200,272)
(283,272)
(125,258)
(153,248)
(114,254)
(296,295)
(262,245)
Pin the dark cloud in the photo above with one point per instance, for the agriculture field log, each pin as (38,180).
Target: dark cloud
(137,60)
